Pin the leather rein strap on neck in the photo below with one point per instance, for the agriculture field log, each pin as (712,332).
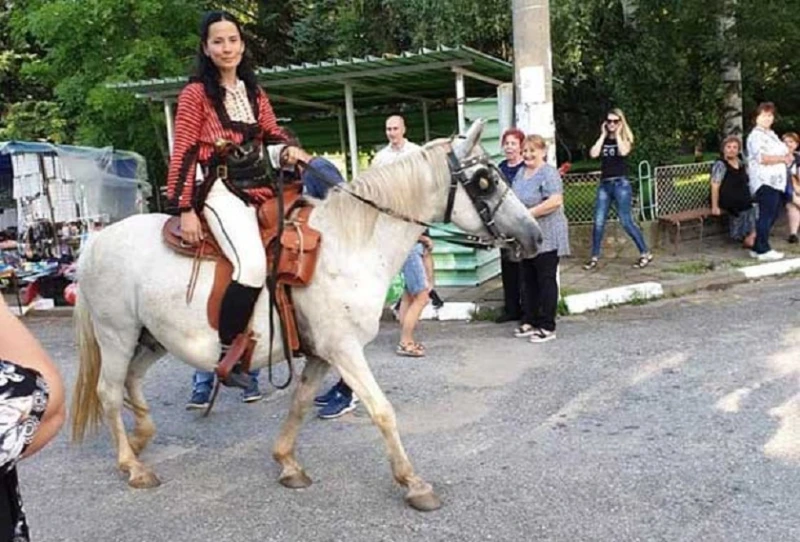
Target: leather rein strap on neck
(457,175)
(272,288)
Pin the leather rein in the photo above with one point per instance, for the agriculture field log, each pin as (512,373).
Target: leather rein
(477,187)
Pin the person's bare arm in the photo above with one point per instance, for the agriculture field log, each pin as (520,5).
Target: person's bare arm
(624,147)
(715,199)
(594,152)
(19,346)
(547,206)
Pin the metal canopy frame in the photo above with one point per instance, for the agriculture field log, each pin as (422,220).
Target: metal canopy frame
(423,77)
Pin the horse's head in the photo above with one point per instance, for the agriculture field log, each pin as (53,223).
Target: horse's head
(481,202)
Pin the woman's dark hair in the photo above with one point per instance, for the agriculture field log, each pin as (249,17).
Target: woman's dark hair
(206,71)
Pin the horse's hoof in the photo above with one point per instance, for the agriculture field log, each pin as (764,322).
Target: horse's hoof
(423,500)
(145,479)
(297,480)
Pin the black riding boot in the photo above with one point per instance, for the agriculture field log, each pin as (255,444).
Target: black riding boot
(237,308)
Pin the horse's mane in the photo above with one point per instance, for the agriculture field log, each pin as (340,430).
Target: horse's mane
(404,186)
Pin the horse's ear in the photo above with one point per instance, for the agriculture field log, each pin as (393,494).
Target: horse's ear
(465,143)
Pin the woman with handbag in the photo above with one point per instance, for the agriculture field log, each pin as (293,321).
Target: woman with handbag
(730,192)
(223,103)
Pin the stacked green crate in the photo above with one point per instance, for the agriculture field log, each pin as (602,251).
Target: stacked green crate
(456,265)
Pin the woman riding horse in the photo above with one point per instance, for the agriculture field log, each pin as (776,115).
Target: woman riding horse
(223,102)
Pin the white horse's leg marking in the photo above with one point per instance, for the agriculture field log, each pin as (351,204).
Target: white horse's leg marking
(353,367)
(144,429)
(292,474)
(116,350)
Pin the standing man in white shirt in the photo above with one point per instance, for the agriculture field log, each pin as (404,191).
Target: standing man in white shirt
(398,144)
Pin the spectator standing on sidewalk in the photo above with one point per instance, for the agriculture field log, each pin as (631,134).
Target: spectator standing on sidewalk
(767,160)
(792,141)
(613,147)
(730,192)
(539,187)
(512,147)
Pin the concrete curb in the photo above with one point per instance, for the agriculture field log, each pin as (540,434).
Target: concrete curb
(580,303)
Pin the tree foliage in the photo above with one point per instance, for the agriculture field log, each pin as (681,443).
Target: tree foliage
(659,60)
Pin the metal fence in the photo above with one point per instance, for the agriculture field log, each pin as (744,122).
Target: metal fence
(680,188)
(665,190)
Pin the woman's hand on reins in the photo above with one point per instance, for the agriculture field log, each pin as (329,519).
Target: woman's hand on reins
(191,229)
(291,155)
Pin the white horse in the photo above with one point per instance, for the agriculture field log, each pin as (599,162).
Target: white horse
(129,281)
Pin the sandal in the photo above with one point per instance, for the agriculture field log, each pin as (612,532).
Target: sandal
(410,350)
(525,330)
(591,264)
(644,261)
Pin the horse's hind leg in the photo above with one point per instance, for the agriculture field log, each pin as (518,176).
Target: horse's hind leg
(355,371)
(144,429)
(116,353)
(292,474)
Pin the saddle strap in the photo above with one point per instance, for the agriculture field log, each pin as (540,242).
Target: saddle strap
(198,257)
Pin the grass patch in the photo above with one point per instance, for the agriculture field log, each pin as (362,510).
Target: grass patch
(736,264)
(485,314)
(697,267)
(562,305)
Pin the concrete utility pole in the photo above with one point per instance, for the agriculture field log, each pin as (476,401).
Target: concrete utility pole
(533,70)
(731,75)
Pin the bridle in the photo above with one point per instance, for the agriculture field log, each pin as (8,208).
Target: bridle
(479,186)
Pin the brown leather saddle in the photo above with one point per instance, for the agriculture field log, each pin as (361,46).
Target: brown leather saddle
(297,258)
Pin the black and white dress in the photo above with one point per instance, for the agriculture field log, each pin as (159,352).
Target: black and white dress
(23,400)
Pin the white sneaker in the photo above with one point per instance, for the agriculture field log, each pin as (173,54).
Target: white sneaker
(754,254)
(770,256)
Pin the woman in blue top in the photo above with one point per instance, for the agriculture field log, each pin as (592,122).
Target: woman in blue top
(538,186)
(613,146)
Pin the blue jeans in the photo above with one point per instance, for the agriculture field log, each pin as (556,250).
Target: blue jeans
(317,181)
(769,205)
(615,189)
(204,380)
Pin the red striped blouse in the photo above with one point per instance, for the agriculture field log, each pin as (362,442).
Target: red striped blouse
(198,125)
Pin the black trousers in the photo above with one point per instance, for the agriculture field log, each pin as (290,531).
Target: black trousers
(540,290)
(511,288)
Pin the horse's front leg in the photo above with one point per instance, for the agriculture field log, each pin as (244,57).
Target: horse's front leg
(292,474)
(355,371)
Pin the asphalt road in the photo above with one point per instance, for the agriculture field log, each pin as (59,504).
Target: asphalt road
(677,420)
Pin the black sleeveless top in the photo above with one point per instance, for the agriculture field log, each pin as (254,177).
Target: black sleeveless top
(734,191)
(612,163)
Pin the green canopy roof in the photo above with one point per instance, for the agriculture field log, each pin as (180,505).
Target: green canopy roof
(425,75)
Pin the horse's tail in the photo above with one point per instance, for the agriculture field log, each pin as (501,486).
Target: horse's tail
(87,412)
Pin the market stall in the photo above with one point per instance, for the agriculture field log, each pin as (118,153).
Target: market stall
(51,198)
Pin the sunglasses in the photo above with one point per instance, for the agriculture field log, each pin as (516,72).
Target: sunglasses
(612,121)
